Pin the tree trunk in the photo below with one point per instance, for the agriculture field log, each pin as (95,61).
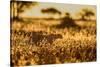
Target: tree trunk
(83,17)
(14,12)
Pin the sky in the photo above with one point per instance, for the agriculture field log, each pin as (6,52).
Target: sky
(35,11)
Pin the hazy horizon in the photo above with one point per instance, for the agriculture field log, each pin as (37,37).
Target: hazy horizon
(73,9)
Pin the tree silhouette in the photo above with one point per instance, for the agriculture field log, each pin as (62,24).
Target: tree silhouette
(18,7)
(51,11)
(86,14)
(67,22)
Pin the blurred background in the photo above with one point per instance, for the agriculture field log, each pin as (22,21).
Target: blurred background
(52,10)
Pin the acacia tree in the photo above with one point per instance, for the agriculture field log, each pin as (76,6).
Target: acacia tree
(67,21)
(17,7)
(51,11)
(86,14)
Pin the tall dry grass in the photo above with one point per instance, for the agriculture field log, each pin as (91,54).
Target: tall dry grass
(70,46)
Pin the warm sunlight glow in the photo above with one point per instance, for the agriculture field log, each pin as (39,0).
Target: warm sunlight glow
(71,8)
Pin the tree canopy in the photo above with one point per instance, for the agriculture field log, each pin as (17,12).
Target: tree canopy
(50,10)
(86,14)
(20,6)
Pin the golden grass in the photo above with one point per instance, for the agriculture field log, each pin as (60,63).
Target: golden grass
(76,45)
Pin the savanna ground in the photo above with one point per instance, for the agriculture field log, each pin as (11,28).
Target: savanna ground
(37,42)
